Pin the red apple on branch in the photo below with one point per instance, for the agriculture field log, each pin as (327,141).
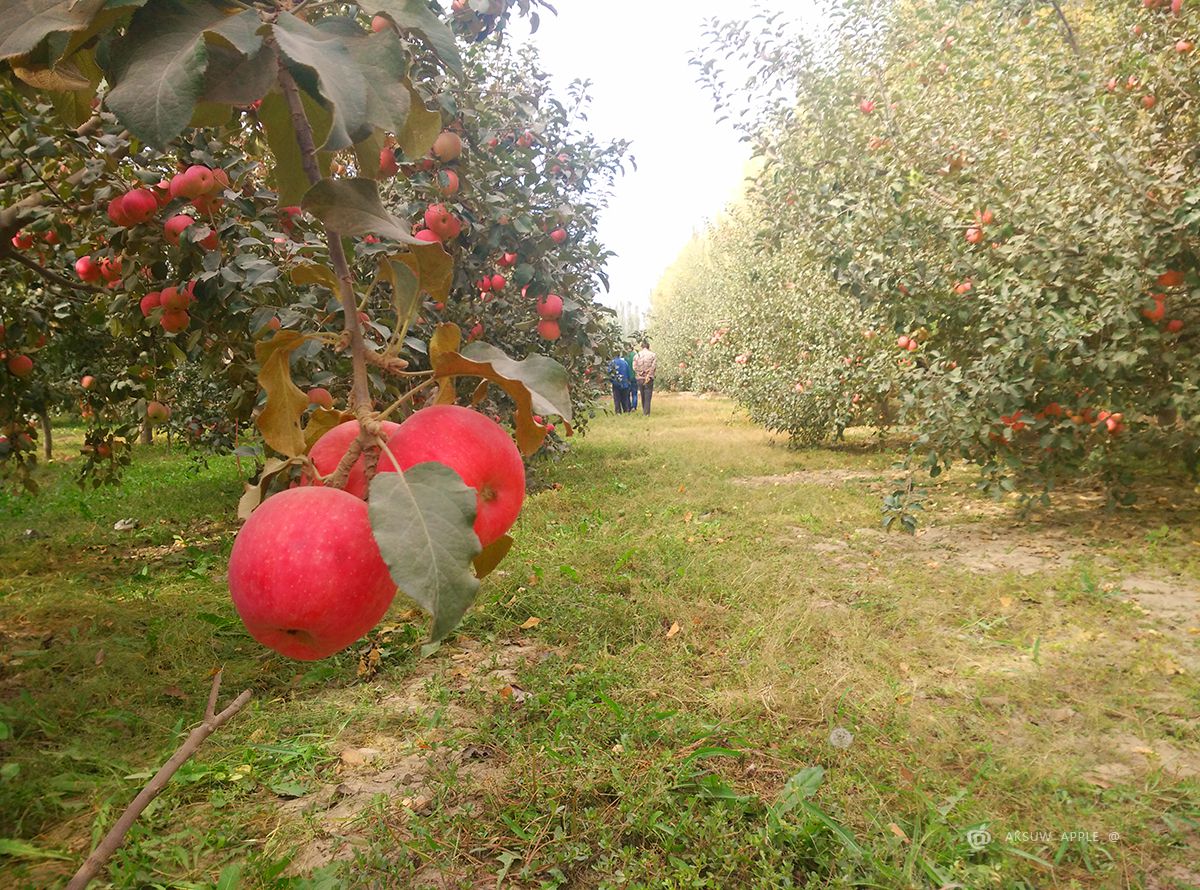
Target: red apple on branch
(305,573)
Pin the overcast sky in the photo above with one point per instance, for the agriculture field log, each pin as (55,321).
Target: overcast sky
(689,167)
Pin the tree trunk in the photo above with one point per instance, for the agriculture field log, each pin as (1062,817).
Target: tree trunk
(47,437)
(147,437)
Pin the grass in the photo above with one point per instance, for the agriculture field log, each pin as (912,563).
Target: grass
(734,681)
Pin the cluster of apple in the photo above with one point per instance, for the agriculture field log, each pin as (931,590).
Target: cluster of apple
(904,341)
(17,436)
(975,233)
(1170,279)
(174,303)
(107,270)
(306,575)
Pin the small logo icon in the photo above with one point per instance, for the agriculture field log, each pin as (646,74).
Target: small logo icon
(978,838)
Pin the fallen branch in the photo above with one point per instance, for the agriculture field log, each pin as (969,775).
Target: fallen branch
(213,720)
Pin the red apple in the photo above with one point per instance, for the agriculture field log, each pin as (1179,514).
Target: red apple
(498,282)
(1148,101)
(328,451)
(447,147)
(866,106)
(1174,326)
(116,212)
(174,320)
(1160,308)
(974,234)
(380,23)
(1183,46)
(87,269)
(428,235)
(1170,278)
(20,365)
(508,259)
(478,449)
(559,235)
(447,182)
(387,163)
(550,307)
(157,412)
(305,573)
(110,269)
(22,241)
(319,395)
(442,222)
(139,205)
(476,331)
(174,227)
(548,329)
(88,381)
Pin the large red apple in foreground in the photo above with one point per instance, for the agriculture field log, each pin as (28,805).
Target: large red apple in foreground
(327,453)
(305,574)
(476,448)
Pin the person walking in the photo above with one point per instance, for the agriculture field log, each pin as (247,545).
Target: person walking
(633,389)
(645,363)
(619,374)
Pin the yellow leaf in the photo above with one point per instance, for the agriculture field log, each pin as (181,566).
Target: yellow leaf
(321,421)
(421,128)
(279,421)
(898,831)
(687,517)
(491,556)
(1005,602)
(674,629)
(531,621)
(529,434)
(315,273)
(446,340)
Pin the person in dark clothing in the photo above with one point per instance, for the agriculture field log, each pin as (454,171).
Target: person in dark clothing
(620,374)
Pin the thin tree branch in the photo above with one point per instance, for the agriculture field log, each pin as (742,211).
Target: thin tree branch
(360,393)
(1066,26)
(211,723)
(7,252)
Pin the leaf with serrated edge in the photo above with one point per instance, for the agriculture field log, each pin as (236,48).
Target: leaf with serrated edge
(491,556)
(158,68)
(352,207)
(422,521)
(241,31)
(341,81)
(27,22)
(421,128)
(415,16)
(253,495)
(546,378)
(279,421)
(529,434)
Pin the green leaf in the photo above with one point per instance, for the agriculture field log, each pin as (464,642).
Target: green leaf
(291,182)
(416,16)
(234,79)
(279,421)
(28,22)
(546,378)
(421,127)
(19,849)
(799,787)
(241,32)
(158,68)
(384,63)
(406,291)
(422,521)
(340,80)
(352,207)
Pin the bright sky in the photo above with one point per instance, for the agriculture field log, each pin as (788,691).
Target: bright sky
(636,54)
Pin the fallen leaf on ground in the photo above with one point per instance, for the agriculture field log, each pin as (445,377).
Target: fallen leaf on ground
(531,621)
(674,629)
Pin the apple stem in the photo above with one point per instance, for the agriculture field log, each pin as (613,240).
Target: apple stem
(360,393)
(213,720)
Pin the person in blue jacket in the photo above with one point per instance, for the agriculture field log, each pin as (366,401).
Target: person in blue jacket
(621,375)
